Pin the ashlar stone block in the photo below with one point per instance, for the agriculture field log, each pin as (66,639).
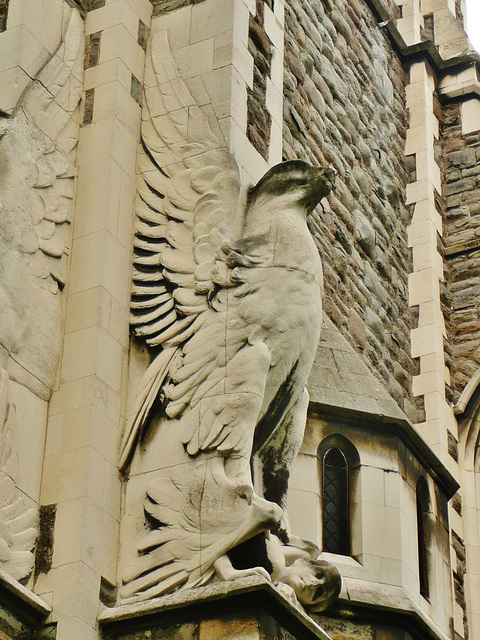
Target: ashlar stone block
(98,198)
(110,15)
(428,383)
(12,84)
(211,18)
(28,437)
(423,287)
(89,351)
(143,9)
(118,42)
(425,341)
(114,100)
(42,18)
(113,70)
(73,474)
(470,116)
(196,59)
(420,190)
(426,256)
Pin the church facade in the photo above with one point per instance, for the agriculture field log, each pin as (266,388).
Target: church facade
(387,480)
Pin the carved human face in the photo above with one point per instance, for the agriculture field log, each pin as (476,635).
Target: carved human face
(314,583)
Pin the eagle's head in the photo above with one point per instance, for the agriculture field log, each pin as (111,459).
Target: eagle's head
(306,183)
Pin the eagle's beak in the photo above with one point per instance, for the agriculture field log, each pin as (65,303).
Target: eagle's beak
(321,183)
(328,174)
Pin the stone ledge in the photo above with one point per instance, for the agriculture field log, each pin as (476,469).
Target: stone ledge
(21,602)
(384,603)
(421,50)
(247,599)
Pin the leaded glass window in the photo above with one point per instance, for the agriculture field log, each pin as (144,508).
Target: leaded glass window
(335,503)
(423,507)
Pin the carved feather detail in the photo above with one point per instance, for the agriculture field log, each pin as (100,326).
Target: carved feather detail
(187,199)
(45,122)
(36,201)
(169,556)
(18,523)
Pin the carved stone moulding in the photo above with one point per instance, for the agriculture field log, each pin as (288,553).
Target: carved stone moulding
(250,608)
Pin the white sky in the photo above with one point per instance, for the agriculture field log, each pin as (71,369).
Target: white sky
(473,22)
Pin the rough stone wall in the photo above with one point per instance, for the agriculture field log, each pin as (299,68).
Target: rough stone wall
(345,105)
(339,629)
(3,14)
(164,6)
(15,627)
(461,190)
(259,121)
(253,624)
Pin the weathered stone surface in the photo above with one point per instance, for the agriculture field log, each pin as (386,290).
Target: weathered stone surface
(259,120)
(356,121)
(462,245)
(340,378)
(345,630)
(37,188)
(165,6)
(36,202)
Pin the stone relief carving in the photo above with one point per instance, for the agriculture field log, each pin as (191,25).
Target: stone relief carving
(36,202)
(18,523)
(228,295)
(36,198)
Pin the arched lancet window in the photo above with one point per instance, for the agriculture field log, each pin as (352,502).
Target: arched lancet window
(341,513)
(335,502)
(423,536)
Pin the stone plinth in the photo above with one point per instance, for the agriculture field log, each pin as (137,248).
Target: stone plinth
(22,613)
(247,609)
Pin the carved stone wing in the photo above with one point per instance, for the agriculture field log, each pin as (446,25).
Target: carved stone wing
(187,207)
(47,112)
(18,523)
(187,203)
(203,514)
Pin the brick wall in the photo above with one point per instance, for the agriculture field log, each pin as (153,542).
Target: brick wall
(345,105)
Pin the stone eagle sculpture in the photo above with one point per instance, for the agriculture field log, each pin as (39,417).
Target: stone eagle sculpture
(228,295)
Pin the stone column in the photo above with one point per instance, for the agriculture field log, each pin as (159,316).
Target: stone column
(426,227)
(80,476)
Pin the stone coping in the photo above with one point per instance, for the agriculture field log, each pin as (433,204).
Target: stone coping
(243,595)
(422,49)
(379,601)
(17,597)
(341,379)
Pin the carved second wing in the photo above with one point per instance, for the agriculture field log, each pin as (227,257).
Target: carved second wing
(49,104)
